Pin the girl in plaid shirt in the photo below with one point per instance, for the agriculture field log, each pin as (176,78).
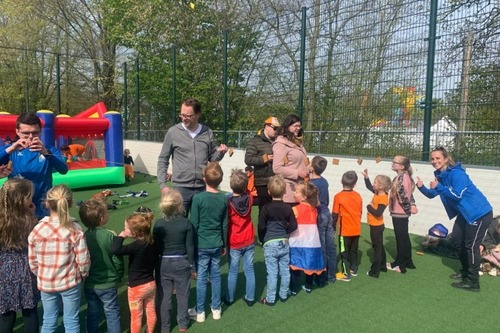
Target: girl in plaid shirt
(58,256)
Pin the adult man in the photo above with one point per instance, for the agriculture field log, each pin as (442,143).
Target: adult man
(259,154)
(32,160)
(191,146)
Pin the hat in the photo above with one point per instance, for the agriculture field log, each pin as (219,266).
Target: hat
(272,121)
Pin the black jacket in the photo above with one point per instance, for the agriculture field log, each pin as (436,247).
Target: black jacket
(258,148)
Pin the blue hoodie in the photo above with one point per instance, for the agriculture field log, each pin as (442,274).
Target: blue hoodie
(38,168)
(458,194)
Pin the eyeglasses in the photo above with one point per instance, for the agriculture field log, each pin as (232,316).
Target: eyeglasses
(187,116)
(33,133)
(273,127)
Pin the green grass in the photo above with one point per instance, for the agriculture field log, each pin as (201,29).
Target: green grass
(420,301)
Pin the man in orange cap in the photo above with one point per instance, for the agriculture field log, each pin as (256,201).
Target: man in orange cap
(259,154)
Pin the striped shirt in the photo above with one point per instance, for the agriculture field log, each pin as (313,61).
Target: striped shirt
(57,256)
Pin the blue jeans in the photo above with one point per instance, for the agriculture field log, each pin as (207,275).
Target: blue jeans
(234,264)
(102,298)
(327,240)
(277,256)
(208,259)
(71,307)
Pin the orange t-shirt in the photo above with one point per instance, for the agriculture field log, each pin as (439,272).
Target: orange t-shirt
(76,150)
(348,205)
(378,199)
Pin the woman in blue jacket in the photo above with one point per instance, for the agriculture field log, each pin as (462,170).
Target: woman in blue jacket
(473,213)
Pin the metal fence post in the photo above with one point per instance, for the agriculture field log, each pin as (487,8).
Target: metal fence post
(125,98)
(138,98)
(302,62)
(429,79)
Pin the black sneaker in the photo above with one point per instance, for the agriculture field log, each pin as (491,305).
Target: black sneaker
(265,302)
(226,301)
(466,285)
(249,303)
(307,290)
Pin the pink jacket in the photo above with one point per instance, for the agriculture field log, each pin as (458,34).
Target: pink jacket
(288,160)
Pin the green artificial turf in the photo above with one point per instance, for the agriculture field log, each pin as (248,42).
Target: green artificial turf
(421,300)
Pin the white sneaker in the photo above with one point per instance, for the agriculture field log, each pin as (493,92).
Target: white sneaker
(199,317)
(216,314)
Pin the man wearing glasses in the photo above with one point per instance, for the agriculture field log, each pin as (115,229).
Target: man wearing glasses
(32,160)
(259,154)
(191,146)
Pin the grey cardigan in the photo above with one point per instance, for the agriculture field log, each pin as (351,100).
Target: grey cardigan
(189,156)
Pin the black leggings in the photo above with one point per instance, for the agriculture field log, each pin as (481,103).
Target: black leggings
(30,318)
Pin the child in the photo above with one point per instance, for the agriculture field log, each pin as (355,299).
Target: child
(128,163)
(251,183)
(241,237)
(380,188)
(173,237)
(347,209)
(73,152)
(276,222)
(106,270)
(325,222)
(209,219)
(401,206)
(18,291)
(142,262)
(305,247)
(59,257)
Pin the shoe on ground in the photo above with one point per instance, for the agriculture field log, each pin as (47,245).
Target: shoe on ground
(411,266)
(307,290)
(216,314)
(343,277)
(466,285)
(456,276)
(283,300)
(265,302)
(192,312)
(353,272)
(394,269)
(292,293)
(226,301)
(372,274)
(249,303)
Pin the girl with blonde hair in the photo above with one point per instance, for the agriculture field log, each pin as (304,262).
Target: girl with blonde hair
(59,257)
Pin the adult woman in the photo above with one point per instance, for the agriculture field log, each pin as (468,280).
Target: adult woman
(463,200)
(289,156)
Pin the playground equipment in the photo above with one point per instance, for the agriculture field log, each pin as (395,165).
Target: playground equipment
(401,116)
(94,123)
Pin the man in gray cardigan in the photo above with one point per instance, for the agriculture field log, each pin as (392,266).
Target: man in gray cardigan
(191,146)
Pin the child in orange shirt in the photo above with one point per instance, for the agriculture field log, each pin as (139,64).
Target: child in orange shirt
(380,188)
(347,209)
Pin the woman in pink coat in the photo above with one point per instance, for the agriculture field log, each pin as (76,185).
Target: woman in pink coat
(289,156)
